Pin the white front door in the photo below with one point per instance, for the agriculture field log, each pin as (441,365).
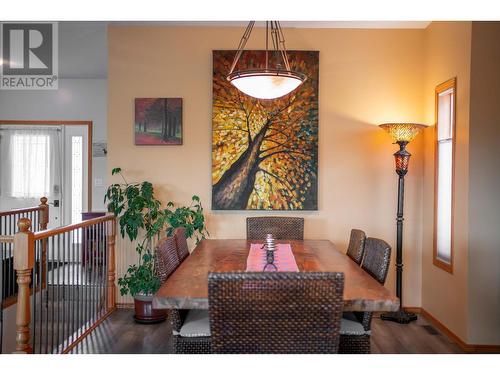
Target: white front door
(31,167)
(49,161)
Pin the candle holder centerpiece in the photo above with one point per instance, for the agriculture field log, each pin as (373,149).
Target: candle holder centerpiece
(270,247)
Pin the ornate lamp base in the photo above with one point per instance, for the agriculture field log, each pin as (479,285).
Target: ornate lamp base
(400,316)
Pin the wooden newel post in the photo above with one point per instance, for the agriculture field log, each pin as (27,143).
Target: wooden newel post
(44,214)
(43,221)
(111,235)
(24,260)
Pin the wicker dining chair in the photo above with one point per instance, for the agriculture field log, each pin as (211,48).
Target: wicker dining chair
(181,241)
(166,259)
(190,328)
(282,227)
(356,247)
(355,332)
(190,331)
(275,312)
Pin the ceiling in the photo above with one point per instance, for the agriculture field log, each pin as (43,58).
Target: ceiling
(83,50)
(294,24)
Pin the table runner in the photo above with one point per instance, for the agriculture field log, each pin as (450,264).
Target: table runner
(283,258)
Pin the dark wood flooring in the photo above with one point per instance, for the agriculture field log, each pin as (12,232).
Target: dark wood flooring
(120,334)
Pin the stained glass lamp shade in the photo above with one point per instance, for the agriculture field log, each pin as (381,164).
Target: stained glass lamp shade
(403,132)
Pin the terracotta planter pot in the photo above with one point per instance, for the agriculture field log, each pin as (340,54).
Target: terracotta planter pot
(144,312)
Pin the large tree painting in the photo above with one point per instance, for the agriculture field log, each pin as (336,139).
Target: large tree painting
(265,152)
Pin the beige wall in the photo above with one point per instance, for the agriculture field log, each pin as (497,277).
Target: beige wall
(484,186)
(447,55)
(366,77)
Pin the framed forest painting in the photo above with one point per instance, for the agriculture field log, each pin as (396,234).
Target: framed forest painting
(158,121)
(265,152)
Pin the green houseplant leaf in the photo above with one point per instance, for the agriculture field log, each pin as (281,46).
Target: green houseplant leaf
(138,211)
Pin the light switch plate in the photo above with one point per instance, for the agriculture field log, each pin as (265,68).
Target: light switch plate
(98,182)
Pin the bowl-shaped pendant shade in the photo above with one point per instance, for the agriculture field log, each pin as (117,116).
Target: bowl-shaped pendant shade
(270,84)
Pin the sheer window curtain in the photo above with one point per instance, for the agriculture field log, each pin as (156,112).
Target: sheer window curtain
(30,161)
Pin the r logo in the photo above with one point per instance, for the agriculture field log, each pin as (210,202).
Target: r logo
(27,49)
(29,56)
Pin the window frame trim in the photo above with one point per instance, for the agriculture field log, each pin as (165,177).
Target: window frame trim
(449,84)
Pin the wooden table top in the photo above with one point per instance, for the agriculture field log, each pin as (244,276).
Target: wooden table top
(187,287)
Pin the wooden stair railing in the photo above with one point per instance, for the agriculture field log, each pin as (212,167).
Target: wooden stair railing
(66,286)
(39,217)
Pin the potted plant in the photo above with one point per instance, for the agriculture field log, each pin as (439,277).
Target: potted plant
(140,213)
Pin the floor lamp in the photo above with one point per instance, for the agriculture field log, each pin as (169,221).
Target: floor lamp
(402,133)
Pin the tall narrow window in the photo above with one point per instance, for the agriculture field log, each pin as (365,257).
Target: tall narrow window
(445,145)
(76,178)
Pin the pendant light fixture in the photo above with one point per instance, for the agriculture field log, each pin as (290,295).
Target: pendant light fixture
(270,82)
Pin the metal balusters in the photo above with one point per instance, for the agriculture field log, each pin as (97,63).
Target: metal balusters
(76,268)
(83,270)
(64,289)
(95,289)
(10,268)
(47,291)
(68,291)
(74,281)
(43,290)
(58,286)
(92,275)
(110,270)
(95,272)
(2,248)
(102,302)
(71,288)
(33,299)
(64,293)
(86,265)
(55,303)
(102,285)
(51,301)
(79,281)
(76,292)
(91,267)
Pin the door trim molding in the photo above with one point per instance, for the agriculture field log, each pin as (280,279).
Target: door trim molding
(89,125)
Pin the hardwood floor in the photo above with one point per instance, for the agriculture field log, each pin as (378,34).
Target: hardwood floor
(418,337)
(120,334)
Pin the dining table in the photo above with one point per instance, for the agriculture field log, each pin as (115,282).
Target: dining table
(187,286)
